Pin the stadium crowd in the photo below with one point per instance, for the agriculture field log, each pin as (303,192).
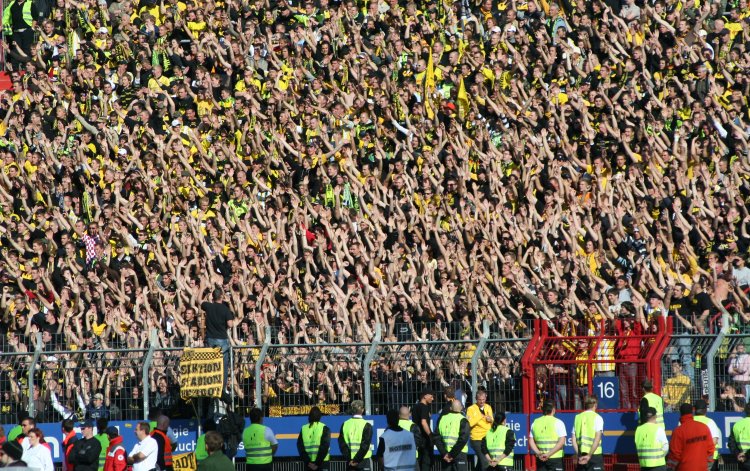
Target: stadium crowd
(333,165)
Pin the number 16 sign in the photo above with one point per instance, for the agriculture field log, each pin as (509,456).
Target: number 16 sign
(607,391)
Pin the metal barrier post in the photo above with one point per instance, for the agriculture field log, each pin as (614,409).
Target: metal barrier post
(366,369)
(146,366)
(231,375)
(478,354)
(258,366)
(711,356)
(32,372)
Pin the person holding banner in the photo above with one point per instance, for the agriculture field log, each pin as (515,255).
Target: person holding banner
(588,428)
(217,460)
(314,441)
(260,443)
(219,319)
(355,439)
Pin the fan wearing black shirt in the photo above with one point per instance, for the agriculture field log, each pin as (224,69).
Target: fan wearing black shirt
(421,416)
(219,318)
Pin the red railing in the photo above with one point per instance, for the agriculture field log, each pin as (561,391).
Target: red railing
(562,369)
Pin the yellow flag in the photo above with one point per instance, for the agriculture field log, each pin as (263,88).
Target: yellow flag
(463,100)
(429,86)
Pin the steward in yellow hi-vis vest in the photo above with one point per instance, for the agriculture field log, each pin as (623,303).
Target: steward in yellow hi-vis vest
(498,445)
(314,441)
(452,440)
(260,443)
(547,440)
(651,442)
(355,439)
(588,428)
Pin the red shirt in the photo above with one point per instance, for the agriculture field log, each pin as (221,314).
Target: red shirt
(627,346)
(115,456)
(692,446)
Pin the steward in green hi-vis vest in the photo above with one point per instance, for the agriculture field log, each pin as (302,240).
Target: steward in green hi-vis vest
(355,439)
(498,444)
(739,440)
(547,439)
(314,441)
(449,430)
(586,433)
(259,441)
(257,448)
(651,400)
(650,450)
(453,437)
(710,424)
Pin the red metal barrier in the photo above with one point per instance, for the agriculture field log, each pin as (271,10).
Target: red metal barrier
(561,368)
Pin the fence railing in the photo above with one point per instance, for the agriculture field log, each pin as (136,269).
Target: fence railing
(287,379)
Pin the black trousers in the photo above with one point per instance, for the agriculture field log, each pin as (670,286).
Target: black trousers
(424,461)
(460,463)
(596,463)
(552,464)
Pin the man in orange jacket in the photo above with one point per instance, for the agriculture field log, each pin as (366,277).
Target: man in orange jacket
(692,447)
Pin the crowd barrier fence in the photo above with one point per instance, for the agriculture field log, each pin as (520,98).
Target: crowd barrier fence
(382,374)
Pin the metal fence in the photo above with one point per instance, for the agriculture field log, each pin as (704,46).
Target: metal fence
(287,379)
(685,370)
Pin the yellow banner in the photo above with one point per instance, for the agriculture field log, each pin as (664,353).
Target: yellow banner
(201,372)
(184,462)
(282,411)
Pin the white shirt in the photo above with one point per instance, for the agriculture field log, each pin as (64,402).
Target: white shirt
(598,425)
(150,449)
(661,437)
(715,432)
(38,457)
(559,428)
(742,275)
(270,436)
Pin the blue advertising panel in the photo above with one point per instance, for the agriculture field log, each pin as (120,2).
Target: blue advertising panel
(607,391)
(618,432)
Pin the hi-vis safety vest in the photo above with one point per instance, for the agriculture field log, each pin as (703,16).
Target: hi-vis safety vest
(167,447)
(496,445)
(741,432)
(705,420)
(352,430)
(311,437)
(545,435)
(586,433)
(8,27)
(650,451)
(257,448)
(657,403)
(450,429)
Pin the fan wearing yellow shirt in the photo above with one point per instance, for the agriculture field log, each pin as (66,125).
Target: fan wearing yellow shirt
(480,419)
(158,82)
